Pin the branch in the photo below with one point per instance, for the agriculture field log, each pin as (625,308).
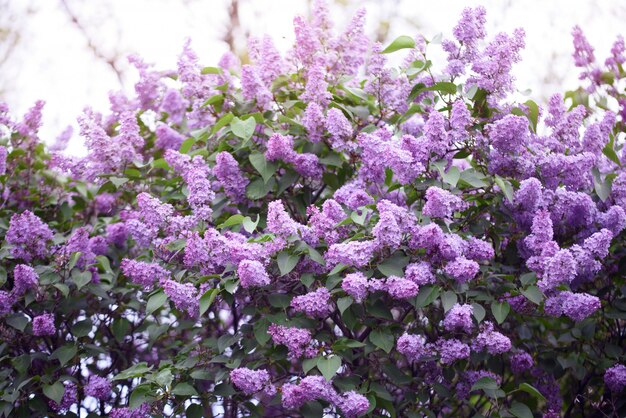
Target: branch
(110,61)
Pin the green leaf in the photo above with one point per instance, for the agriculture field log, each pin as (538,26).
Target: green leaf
(485,383)
(394,265)
(506,187)
(140,395)
(184,389)
(520,410)
(74,259)
(602,187)
(382,339)
(344,303)
(185,147)
(207,299)
(443,87)
(478,311)
(610,153)
(426,296)
(138,370)
(337,269)
(104,263)
(194,411)
(82,328)
(54,391)
(448,299)
(309,364)
(279,300)
(164,377)
(244,129)
(332,159)
(307,279)
(329,366)
(81,279)
(452,176)
(64,354)
(265,168)
(359,219)
(17,321)
(528,278)
(250,226)
(260,331)
(120,328)
(401,42)
(258,189)
(218,99)
(532,391)
(63,288)
(233,220)
(533,113)
(118,181)
(473,178)
(533,294)
(500,310)
(211,70)
(221,122)
(155,302)
(316,256)
(286,262)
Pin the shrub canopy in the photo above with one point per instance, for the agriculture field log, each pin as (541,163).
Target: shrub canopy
(322,233)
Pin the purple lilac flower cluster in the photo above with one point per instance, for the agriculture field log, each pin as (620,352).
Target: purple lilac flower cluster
(394,229)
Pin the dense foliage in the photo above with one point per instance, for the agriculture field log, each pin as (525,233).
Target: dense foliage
(322,234)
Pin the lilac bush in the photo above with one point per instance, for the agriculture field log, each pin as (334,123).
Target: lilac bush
(322,234)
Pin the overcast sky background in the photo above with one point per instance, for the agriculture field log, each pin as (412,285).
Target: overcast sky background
(51,59)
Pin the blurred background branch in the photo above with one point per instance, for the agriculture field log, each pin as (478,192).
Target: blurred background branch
(41,55)
(110,59)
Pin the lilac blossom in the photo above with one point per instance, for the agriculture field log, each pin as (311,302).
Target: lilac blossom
(316,304)
(493,341)
(459,317)
(441,203)
(252,381)
(43,325)
(28,235)
(252,274)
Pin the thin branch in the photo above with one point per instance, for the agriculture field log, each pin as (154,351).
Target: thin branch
(111,61)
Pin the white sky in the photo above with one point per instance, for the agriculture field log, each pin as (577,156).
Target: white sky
(53,63)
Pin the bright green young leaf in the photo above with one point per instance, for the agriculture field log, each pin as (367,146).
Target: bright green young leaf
(233,220)
(250,225)
(401,42)
(243,128)
(610,153)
